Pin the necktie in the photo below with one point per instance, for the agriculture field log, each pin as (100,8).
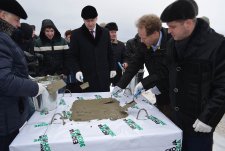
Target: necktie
(92,33)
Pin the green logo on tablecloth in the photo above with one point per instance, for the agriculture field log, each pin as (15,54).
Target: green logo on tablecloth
(146,101)
(106,130)
(116,95)
(156,120)
(98,96)
(43,139)
(135,107)
(77,137)
(132,124)
(41,124)
(67,114)
(80,98)
(62,102)
(43,112)
(177,146)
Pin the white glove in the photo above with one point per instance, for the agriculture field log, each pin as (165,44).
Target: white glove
(79,76)
(31,78)
(137,90)
(41,89)
(112,74)
(116,91)
(199,126)
(155,90)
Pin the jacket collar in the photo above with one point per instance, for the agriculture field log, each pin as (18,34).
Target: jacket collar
(98,33)
(165,37)
(6,27)
(189,46)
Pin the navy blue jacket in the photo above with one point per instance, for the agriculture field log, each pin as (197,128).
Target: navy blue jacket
(15,86)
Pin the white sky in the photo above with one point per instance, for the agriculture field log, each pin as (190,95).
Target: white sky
(66,13)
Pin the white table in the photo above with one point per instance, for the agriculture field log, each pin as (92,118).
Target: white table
(152,133)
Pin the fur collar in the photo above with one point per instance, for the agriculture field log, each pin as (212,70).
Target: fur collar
(6,27)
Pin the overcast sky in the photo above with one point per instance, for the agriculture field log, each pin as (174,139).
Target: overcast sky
(66,13)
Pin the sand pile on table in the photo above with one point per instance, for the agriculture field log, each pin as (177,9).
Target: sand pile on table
(105,108)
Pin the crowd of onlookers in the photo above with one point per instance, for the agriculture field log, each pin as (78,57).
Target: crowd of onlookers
(50,54)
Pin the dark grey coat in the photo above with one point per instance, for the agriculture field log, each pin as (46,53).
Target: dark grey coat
(93,57)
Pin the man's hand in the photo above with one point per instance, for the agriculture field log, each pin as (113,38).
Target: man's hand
(112,74)
(41,89)
(31,78)
(116,91)
(199,126)
(63,76)
(79,76)
(125,65)
(137,90)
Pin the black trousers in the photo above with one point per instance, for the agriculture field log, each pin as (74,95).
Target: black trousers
(74,87)
(201,142)
(5,141)
(192,141)
(116,79)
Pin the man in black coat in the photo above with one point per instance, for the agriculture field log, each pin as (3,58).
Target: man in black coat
(196,75)
(118,49)
(151,52)
(131,48)
(15,87)
(93,60)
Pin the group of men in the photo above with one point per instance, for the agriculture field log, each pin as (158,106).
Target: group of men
(185,64)
(186,72)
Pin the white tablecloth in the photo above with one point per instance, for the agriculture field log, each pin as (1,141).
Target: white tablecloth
(152,133)
(219,136)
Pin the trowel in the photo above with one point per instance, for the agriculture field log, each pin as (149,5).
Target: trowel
(55,86)
(127,105)
(85,85)
(132,103)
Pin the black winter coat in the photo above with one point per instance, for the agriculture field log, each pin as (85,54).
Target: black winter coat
(55,52)
(155,63)
(93,57)
(132,48)
(118,53)
(197,77)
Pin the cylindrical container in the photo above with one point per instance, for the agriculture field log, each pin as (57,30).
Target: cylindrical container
(45,101)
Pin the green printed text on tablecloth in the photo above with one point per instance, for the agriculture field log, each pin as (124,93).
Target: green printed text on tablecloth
(77,137)
(106,130)
(156,120)
(43,139)
(132,124)
(41,124)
